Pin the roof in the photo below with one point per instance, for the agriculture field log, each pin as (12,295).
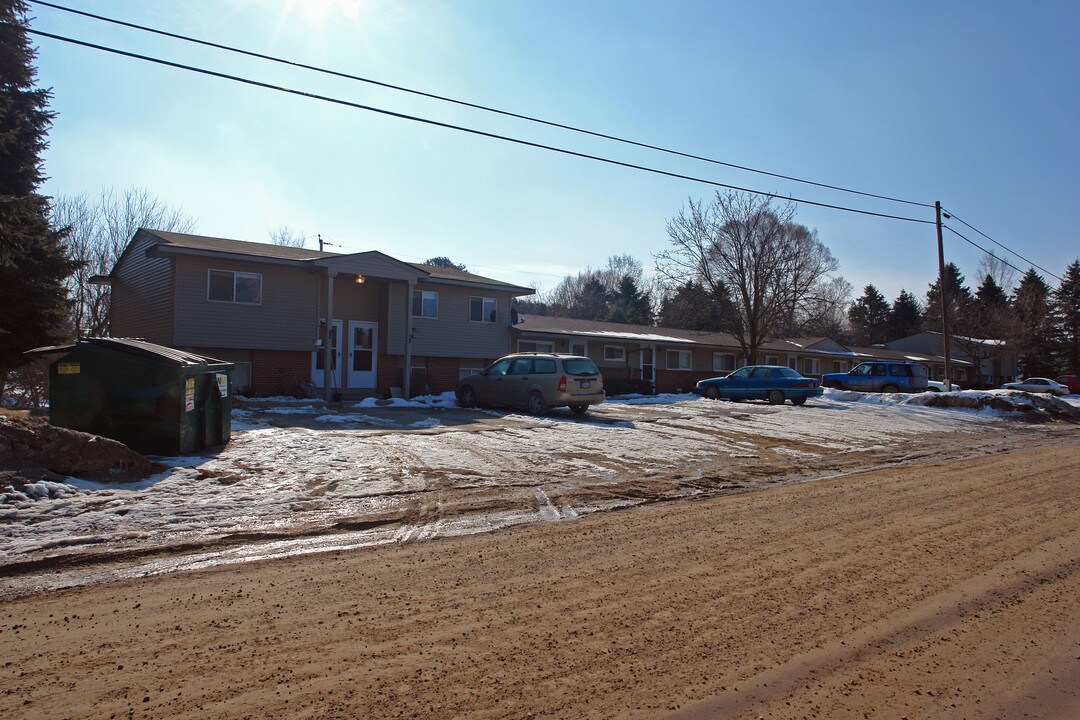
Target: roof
(621,331)
(880,353)
(200,244)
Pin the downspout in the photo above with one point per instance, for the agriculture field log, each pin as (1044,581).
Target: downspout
(406,381)
(328,349)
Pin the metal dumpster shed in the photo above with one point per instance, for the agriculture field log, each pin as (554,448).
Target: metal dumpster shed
(154,399)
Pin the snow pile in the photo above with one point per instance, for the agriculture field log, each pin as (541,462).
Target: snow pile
(1004,402)
(446,400)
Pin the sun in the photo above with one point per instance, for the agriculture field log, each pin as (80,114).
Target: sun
(318,12)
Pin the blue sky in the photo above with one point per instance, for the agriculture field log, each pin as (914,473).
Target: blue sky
(973,104)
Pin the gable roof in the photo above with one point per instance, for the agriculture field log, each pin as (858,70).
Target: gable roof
(621,331)
(185,243)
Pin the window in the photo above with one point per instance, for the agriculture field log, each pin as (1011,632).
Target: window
(544,366)
(678,359)
(839,366)
(723,362)
(793,363)
(467,371)
(772,359)
(810,366)
(535,346)
(425,303)
(483,309)
(579,348)
(614,353)
(521,366)
(235,287)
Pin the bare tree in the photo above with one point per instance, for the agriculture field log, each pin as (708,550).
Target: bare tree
(1002,274)
(287,237)
(100,230)
(767,263)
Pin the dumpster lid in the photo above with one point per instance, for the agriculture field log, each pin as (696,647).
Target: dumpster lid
(148,349)
(134,347)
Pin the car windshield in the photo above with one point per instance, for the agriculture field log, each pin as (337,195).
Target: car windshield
(581,366)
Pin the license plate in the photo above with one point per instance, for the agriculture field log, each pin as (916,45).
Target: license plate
(586,384)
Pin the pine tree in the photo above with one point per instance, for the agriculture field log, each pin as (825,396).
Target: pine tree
(33,260)
(869,317)
(694,307)
(1067,318)
(630,305)
(1033,331)
(956,295)
(905,316)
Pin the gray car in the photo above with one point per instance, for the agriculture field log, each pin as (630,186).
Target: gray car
(535,381)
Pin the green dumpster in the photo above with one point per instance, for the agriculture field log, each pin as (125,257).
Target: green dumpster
(154,399)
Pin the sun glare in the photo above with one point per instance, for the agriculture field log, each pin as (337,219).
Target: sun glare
(319,12)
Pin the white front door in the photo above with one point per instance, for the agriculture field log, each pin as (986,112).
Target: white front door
(363,353)
(317,373)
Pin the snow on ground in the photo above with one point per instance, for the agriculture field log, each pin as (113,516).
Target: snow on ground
(293,467)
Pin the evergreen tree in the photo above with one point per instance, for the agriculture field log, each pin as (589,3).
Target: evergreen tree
(694,307)
(979,322)
(1067,318)
(1033,331)
(33,260)
(956,295)
(905,316)
(630,305)
(869,317)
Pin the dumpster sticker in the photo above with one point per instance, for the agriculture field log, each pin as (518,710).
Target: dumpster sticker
(222,384)
(68,368)
(189,394)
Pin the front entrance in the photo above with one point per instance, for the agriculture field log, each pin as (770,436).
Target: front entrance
(317,358)
(648,365)
(363,353)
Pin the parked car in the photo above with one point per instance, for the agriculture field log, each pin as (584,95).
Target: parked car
(877,376)
(1037,385)
(535,381)
(774,383)
(1070,381)
(939,386)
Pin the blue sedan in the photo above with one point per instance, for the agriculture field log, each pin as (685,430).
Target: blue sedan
(761,382)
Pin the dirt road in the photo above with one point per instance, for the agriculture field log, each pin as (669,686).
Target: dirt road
(936,589)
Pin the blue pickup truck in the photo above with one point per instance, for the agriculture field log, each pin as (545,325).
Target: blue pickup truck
(879,377)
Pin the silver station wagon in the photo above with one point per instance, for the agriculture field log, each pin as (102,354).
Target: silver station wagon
(535,381)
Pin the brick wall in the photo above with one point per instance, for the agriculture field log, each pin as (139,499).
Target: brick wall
(669,381)
(442,374)
(279,372)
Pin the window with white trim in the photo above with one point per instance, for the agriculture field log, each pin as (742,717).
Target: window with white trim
(535,346)
(678,360)
(840,366)
(579,348)
(465,372)
(615,353)
(723,362)
(425,303)
(793,362)
(234,287)
(772,359)
(483,309)
(811,366)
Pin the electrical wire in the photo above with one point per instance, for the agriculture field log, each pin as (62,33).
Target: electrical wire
(472,131)
(988,252)
(464,103)
(1029,262)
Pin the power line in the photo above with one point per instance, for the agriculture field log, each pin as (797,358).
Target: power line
(472,131)
(972,242)
(475,106)
(1029,262)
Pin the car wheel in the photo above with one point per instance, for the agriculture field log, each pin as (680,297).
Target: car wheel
(834,385)
(776,397)
(798,401)
(579,408)
(712,392)
(537,404)
(467,397)
(889,389)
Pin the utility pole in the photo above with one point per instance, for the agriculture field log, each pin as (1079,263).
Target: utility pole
(941,289)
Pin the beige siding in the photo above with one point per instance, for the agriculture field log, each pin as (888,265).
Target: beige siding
(142,295)
(451,334)
(286,319)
